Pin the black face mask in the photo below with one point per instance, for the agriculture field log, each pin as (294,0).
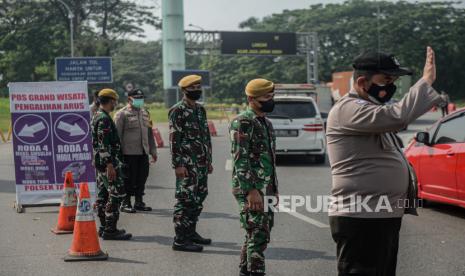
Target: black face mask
(375,90)
(267,106)
(194,94)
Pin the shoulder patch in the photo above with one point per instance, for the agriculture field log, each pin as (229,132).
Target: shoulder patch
(361,102)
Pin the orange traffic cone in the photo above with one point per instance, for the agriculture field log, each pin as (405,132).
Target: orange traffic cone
(85,246)
(158,139)
(68,204)
(212,128)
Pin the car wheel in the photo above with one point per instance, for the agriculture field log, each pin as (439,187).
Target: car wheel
(320,159)
(425,203)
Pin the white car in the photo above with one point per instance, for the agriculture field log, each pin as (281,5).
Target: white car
(299,127)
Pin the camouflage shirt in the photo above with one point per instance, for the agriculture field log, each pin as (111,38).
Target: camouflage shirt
(105,141)
(190,140)
(253,146)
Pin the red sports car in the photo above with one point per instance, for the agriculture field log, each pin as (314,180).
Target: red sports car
(438,157)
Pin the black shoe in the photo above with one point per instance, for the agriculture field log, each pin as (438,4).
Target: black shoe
(126,205)
(101,229)
(187,246)
(244,271)
(127,208)
(140,206)
(116,235)
(199,240)
(257,274)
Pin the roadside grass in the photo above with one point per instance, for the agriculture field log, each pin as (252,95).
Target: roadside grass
(158,112)
(460,103)
(5,117)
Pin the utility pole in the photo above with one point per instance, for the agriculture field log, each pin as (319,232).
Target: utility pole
(174,48)
(71,26)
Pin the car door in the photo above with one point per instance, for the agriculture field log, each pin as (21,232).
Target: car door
(460,172)
(439,161)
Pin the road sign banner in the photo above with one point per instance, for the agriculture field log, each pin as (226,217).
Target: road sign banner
(258,43)
(51,135)
(90,69)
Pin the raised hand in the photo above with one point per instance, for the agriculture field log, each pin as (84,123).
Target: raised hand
(429,72)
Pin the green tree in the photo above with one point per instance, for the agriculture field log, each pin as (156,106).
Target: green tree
(141,64)
(403,28)
(116,19)
(30,38)
(34,33)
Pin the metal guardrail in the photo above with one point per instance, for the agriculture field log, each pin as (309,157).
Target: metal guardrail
(221,109)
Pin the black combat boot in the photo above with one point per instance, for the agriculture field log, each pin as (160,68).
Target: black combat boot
(139,205)
(112,233)
(186,245)
(197,238)
(101,229)
(101,216)
(183,243)
(117,235)
(126,205)
(244,271)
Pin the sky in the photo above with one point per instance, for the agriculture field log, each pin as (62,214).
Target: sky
(225,15)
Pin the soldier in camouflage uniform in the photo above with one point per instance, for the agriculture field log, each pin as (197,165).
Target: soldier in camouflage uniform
(254,173)
(108,163)
(191,151)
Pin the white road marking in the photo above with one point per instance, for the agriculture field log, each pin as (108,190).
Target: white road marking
(308,220)
(229,165)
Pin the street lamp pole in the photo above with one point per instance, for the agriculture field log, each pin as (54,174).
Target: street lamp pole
(71,26)
(210,53)
(195,26)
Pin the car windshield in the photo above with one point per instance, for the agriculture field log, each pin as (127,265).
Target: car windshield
(293,110)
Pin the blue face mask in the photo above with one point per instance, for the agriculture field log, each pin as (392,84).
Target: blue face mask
(138,103)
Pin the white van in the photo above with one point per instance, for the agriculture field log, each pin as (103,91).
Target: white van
(298,126)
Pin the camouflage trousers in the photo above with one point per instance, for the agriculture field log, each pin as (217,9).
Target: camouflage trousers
(190,194)
(109,196)
(258,227)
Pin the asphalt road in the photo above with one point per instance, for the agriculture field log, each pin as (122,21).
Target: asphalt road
(431,244)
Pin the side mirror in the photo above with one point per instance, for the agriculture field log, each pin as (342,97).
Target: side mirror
(423,137)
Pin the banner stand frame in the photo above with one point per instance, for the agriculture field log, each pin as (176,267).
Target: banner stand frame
(80,113)
(22,208)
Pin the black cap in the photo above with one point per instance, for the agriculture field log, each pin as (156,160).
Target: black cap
(137,93)
(380,62)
